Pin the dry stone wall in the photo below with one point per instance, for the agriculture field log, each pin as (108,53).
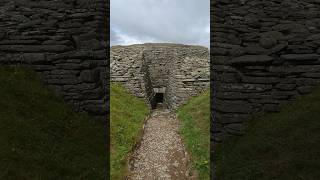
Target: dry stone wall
(264,54)
(178,71)
(63,40)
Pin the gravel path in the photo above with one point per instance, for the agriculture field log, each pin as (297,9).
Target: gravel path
(161,154)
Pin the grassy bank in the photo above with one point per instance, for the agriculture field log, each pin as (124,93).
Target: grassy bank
(41,137)
(195,131)
(127,114)
(281,146)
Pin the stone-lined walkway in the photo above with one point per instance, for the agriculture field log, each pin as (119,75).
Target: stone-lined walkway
(161,155)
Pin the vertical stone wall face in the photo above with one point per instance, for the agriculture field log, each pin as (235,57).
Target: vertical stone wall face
(158,63)
(264,54)
(127,66)
(180,71)
(189,75)
(63,40)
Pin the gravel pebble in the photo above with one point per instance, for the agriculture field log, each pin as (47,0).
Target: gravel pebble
(161,154)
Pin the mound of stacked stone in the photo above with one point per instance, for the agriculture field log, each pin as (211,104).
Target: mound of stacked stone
(178,71)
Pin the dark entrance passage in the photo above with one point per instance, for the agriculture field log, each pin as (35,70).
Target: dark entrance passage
(157,101)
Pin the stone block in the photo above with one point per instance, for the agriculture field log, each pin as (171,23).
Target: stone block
(255,50)
(251,59)
(286,87)
(35,48)
(94,94)
(29,24)
(232,106)
(90,76)
(300,57)
(267,42)
(18,42)
(260,80)
(35,58)
(311,75)
(243,87)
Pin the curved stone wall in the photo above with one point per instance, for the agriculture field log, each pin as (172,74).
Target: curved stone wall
(65,41)
(178,71)
(264,54)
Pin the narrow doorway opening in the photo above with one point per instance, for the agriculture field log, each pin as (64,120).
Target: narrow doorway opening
(157,101)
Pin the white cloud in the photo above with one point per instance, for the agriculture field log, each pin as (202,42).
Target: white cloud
(174,21)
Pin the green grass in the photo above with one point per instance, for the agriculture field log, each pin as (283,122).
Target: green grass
(41,137)
(127,114)
(280,146)
(195,131)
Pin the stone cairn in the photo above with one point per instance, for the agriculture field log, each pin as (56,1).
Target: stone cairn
(178,71)
(65,41)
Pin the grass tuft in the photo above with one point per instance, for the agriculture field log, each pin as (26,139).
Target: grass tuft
(195,131)
(41,137)
(281,146)
(127,114)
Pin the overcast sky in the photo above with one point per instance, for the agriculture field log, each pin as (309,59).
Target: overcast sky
(171,21)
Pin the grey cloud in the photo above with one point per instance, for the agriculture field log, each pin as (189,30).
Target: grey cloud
(175,21)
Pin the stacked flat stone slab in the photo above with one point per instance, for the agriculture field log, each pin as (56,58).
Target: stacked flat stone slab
(264,54)
(63,40)
(180,71)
